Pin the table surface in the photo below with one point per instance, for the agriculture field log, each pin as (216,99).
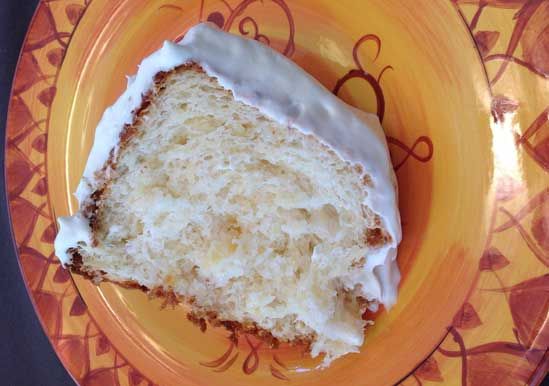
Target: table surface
(26,357)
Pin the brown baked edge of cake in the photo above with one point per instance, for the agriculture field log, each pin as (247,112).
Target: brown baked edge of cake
(200,317)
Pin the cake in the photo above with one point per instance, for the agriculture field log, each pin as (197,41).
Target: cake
(228,179)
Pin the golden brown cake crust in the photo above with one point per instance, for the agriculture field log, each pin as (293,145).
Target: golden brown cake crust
(200,317)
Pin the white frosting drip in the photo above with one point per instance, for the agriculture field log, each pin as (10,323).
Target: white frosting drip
(261,77)
(73,231)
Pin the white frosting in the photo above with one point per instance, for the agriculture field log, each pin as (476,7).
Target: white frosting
(261,77)
(73,231)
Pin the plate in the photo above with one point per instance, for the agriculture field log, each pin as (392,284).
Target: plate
(462,89)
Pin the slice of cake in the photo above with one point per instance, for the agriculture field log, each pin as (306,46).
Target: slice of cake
(227,178)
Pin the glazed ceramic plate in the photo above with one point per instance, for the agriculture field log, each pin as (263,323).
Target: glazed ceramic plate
(462,90)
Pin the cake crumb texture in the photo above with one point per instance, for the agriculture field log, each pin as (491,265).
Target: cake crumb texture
(256,222)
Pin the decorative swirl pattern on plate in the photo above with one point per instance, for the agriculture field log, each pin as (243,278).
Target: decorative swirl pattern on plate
(227,22)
